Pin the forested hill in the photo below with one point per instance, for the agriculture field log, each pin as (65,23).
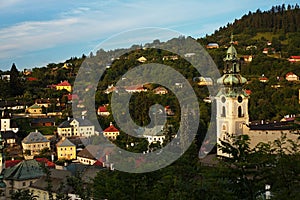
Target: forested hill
(279,19)
(281,22)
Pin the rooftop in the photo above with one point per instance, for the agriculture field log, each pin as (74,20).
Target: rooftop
(34,137)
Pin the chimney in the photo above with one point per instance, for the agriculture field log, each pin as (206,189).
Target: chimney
(110,124)
(82,117)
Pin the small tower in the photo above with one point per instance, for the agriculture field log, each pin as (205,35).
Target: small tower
(231,100)
(5,122)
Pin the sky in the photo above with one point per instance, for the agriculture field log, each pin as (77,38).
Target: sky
(38,32)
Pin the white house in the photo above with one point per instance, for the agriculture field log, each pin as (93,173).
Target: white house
(76,127)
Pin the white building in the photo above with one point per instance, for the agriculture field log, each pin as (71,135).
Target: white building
(76,127)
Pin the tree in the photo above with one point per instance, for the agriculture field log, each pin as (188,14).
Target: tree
(23,195)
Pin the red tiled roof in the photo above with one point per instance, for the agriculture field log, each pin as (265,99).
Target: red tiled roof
(102,109)
(11,163)
(64,83)
(248,92)
(98,163)
(46,161)
(295,57)
(31,79)
(111,128)
(289,74)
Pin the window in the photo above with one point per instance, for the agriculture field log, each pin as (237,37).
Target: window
(224,128)
(24,184)
(240,114)
(223,114)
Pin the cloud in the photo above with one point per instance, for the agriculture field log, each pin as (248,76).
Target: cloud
(66,23)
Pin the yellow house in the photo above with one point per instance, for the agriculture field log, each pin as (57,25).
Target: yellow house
(66,149)
(65,85)
(34,109)
(111,132)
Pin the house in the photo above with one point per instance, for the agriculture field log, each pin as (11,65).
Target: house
(102,111)
(44,102)
(7,124)
(42,122)
(155,134)
(248,58)
(111,132)
(175,57)
(57,178)
(268,51)
(291,77)
(31,79)
(64,85)
(169,111)
(35,142)
(293,59)
(135,88)
(142,59)
(10,138)
(5,77)
(263,79)
(110,89)
(95,154)
(205,81)
(78,127)
(212,46)
(160,90)
(34,109)
(188,55)
(66,149)
(21,176)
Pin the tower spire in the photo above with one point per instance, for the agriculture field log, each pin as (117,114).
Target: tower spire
(231,37)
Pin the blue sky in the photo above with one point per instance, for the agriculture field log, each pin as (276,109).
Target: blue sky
(37,32)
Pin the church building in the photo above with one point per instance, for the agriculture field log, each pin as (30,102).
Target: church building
(232,116)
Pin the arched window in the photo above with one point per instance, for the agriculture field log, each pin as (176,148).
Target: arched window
(223,114)
(240,113)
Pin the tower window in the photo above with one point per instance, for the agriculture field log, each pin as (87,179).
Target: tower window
(240,113)
(223,114)
(240,99)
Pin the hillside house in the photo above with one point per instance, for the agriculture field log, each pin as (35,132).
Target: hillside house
(293,59)
(35,142)
(291,77)
(111,132)
(79,127)
(66,149)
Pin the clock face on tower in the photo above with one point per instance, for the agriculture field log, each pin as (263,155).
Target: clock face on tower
(240,99)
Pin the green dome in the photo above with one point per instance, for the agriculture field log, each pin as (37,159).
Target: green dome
(231,79)
(231,54)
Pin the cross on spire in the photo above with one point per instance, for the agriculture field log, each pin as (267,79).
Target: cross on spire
(231,42)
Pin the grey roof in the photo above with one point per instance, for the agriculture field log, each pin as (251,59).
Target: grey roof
(96,151)
(65,143)
(154,131)
(272,126)
(57,177)
(34,137)
(8,135)
(82,122)
(27,169)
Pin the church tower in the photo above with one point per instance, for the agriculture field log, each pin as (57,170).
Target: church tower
(231,100)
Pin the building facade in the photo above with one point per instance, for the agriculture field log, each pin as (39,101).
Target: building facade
(79,127)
